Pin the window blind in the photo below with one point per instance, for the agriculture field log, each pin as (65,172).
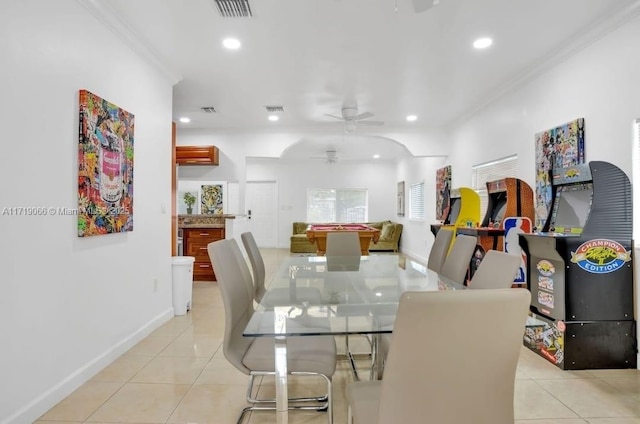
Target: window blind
(416,201)
(491,171)
(337,205)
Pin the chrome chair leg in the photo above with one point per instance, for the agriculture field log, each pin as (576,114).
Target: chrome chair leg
(323,403)
(255,400)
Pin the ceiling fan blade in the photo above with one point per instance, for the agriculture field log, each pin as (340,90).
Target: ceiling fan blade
(376,123)
(334,116)
(363,115)
(424,5)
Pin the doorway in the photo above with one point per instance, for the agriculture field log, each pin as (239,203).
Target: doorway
(261,204)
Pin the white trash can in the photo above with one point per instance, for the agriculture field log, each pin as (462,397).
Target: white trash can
(182,283)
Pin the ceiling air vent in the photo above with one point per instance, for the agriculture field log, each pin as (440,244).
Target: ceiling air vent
(208,109)
(272,109)
(233,8)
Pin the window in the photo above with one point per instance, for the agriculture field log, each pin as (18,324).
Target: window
(636,176)
(337,205)
(491,171)
(416,201)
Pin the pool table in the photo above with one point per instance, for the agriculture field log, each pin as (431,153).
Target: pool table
(317,233)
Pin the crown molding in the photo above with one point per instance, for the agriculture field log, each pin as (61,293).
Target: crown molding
(584,37)
(101,10)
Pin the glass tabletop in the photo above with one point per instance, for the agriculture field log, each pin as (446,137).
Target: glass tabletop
(318,295)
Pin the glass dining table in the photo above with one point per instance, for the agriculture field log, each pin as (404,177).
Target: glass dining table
(353,295)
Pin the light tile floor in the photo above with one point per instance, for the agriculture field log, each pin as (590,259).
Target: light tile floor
(178,374)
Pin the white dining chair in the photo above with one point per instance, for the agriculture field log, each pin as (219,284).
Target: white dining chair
(437,257)
(277,297)
(439,249)
(343,243)
(496,271)
(452,360)
(343,251)
(457,262)
(255,356)
(343,254)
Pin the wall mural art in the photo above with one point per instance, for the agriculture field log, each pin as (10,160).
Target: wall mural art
(558,147)
(105,167)
(211,199)
(443,192)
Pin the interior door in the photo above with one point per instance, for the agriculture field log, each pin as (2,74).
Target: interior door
(262,208)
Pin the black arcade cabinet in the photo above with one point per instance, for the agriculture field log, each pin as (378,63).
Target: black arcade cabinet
(580,272)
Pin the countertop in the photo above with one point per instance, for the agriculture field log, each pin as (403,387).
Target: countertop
(197,225)
(205,221)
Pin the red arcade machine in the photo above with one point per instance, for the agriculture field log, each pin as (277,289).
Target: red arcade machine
(508,197)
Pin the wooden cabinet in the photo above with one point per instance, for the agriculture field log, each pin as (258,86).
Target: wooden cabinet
(197,155)
(195,241)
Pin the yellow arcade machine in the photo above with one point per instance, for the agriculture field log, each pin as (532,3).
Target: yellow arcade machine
(464,211)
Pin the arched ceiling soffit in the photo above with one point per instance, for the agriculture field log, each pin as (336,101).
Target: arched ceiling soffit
(353,147)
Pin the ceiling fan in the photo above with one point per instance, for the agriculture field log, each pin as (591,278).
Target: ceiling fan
(330,157)
(350,117)
(421,5)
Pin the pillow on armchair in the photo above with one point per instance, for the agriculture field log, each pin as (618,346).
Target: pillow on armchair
(387,231)
(300,227)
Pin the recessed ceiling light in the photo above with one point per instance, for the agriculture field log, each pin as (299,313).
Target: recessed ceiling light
(412,118)
(482,43)
(185,120)
(376,156)
(231,43)
(273,118)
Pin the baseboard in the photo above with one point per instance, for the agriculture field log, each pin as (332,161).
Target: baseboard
(36,408)
(416,256)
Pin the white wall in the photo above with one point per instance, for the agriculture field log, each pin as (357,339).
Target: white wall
(417,236)
(599,83)
(71,305)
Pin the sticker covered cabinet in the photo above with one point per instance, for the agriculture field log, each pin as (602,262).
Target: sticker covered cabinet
(580,272)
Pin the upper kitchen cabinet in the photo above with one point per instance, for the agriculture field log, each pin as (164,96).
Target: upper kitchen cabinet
(197,155)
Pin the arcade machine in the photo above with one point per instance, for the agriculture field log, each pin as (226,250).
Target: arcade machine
(580,272)
(464,210)
(508,197)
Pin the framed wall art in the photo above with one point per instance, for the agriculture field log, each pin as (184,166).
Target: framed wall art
(558,147)
(443,192)
(105,167)
(211,200)
(400,200)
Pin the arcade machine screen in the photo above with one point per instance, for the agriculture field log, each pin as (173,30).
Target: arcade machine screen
(499,211)
(456,202)
(571,208)
(498,203)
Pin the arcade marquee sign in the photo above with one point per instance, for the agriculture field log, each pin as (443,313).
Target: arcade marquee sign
(600,256)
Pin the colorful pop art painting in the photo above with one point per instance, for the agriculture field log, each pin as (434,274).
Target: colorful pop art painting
(443,192)
(105,167)
(558,147)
